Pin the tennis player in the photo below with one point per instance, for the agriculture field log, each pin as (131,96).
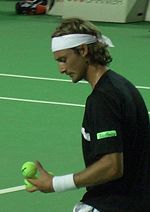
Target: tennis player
(115,129)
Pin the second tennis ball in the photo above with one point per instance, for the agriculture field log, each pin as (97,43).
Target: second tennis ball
(28,185)
(29,169)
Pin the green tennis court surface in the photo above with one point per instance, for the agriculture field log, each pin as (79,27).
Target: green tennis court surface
(41,111)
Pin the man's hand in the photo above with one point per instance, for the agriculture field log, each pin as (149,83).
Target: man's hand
(43,183)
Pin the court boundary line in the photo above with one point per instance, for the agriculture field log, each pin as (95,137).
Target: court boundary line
(37,78)
(40,101)
(43,102)
(12,189)
(55,79)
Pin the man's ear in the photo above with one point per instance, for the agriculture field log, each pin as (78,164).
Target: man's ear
(83,50)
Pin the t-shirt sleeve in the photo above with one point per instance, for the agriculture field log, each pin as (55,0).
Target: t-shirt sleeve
(104,120)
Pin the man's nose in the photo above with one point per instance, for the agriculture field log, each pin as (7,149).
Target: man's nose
(62,67)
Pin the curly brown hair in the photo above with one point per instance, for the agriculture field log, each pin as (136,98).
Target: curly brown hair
(98,52)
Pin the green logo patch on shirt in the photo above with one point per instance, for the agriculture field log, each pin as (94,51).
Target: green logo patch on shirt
(106,134)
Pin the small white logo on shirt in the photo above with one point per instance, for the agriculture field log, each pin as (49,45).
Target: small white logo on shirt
(85,135)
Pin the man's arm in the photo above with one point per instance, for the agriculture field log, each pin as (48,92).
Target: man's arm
(108,168)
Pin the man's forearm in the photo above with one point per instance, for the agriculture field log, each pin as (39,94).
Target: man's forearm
(108,168)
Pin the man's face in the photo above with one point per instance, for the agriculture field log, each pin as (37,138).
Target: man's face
(72,64)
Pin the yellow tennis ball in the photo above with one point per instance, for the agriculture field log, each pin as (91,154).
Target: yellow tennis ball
(29,170)
(27,184)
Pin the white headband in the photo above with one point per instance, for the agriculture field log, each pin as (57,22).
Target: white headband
(73,40)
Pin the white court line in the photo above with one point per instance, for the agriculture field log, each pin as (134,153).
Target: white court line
(12,189)
(37,78)
(41,102)
(54,79)
(142,87)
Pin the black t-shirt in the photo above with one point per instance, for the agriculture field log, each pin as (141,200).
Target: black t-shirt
(116,120)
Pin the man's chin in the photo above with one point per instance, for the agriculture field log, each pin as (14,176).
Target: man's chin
(75,80)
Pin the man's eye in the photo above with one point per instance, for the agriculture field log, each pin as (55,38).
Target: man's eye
(62,60)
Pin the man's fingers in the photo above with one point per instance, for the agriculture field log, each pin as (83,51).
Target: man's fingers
(34,182)
(40,167)
(32,189)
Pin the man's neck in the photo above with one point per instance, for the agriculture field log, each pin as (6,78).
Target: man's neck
(94,73)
